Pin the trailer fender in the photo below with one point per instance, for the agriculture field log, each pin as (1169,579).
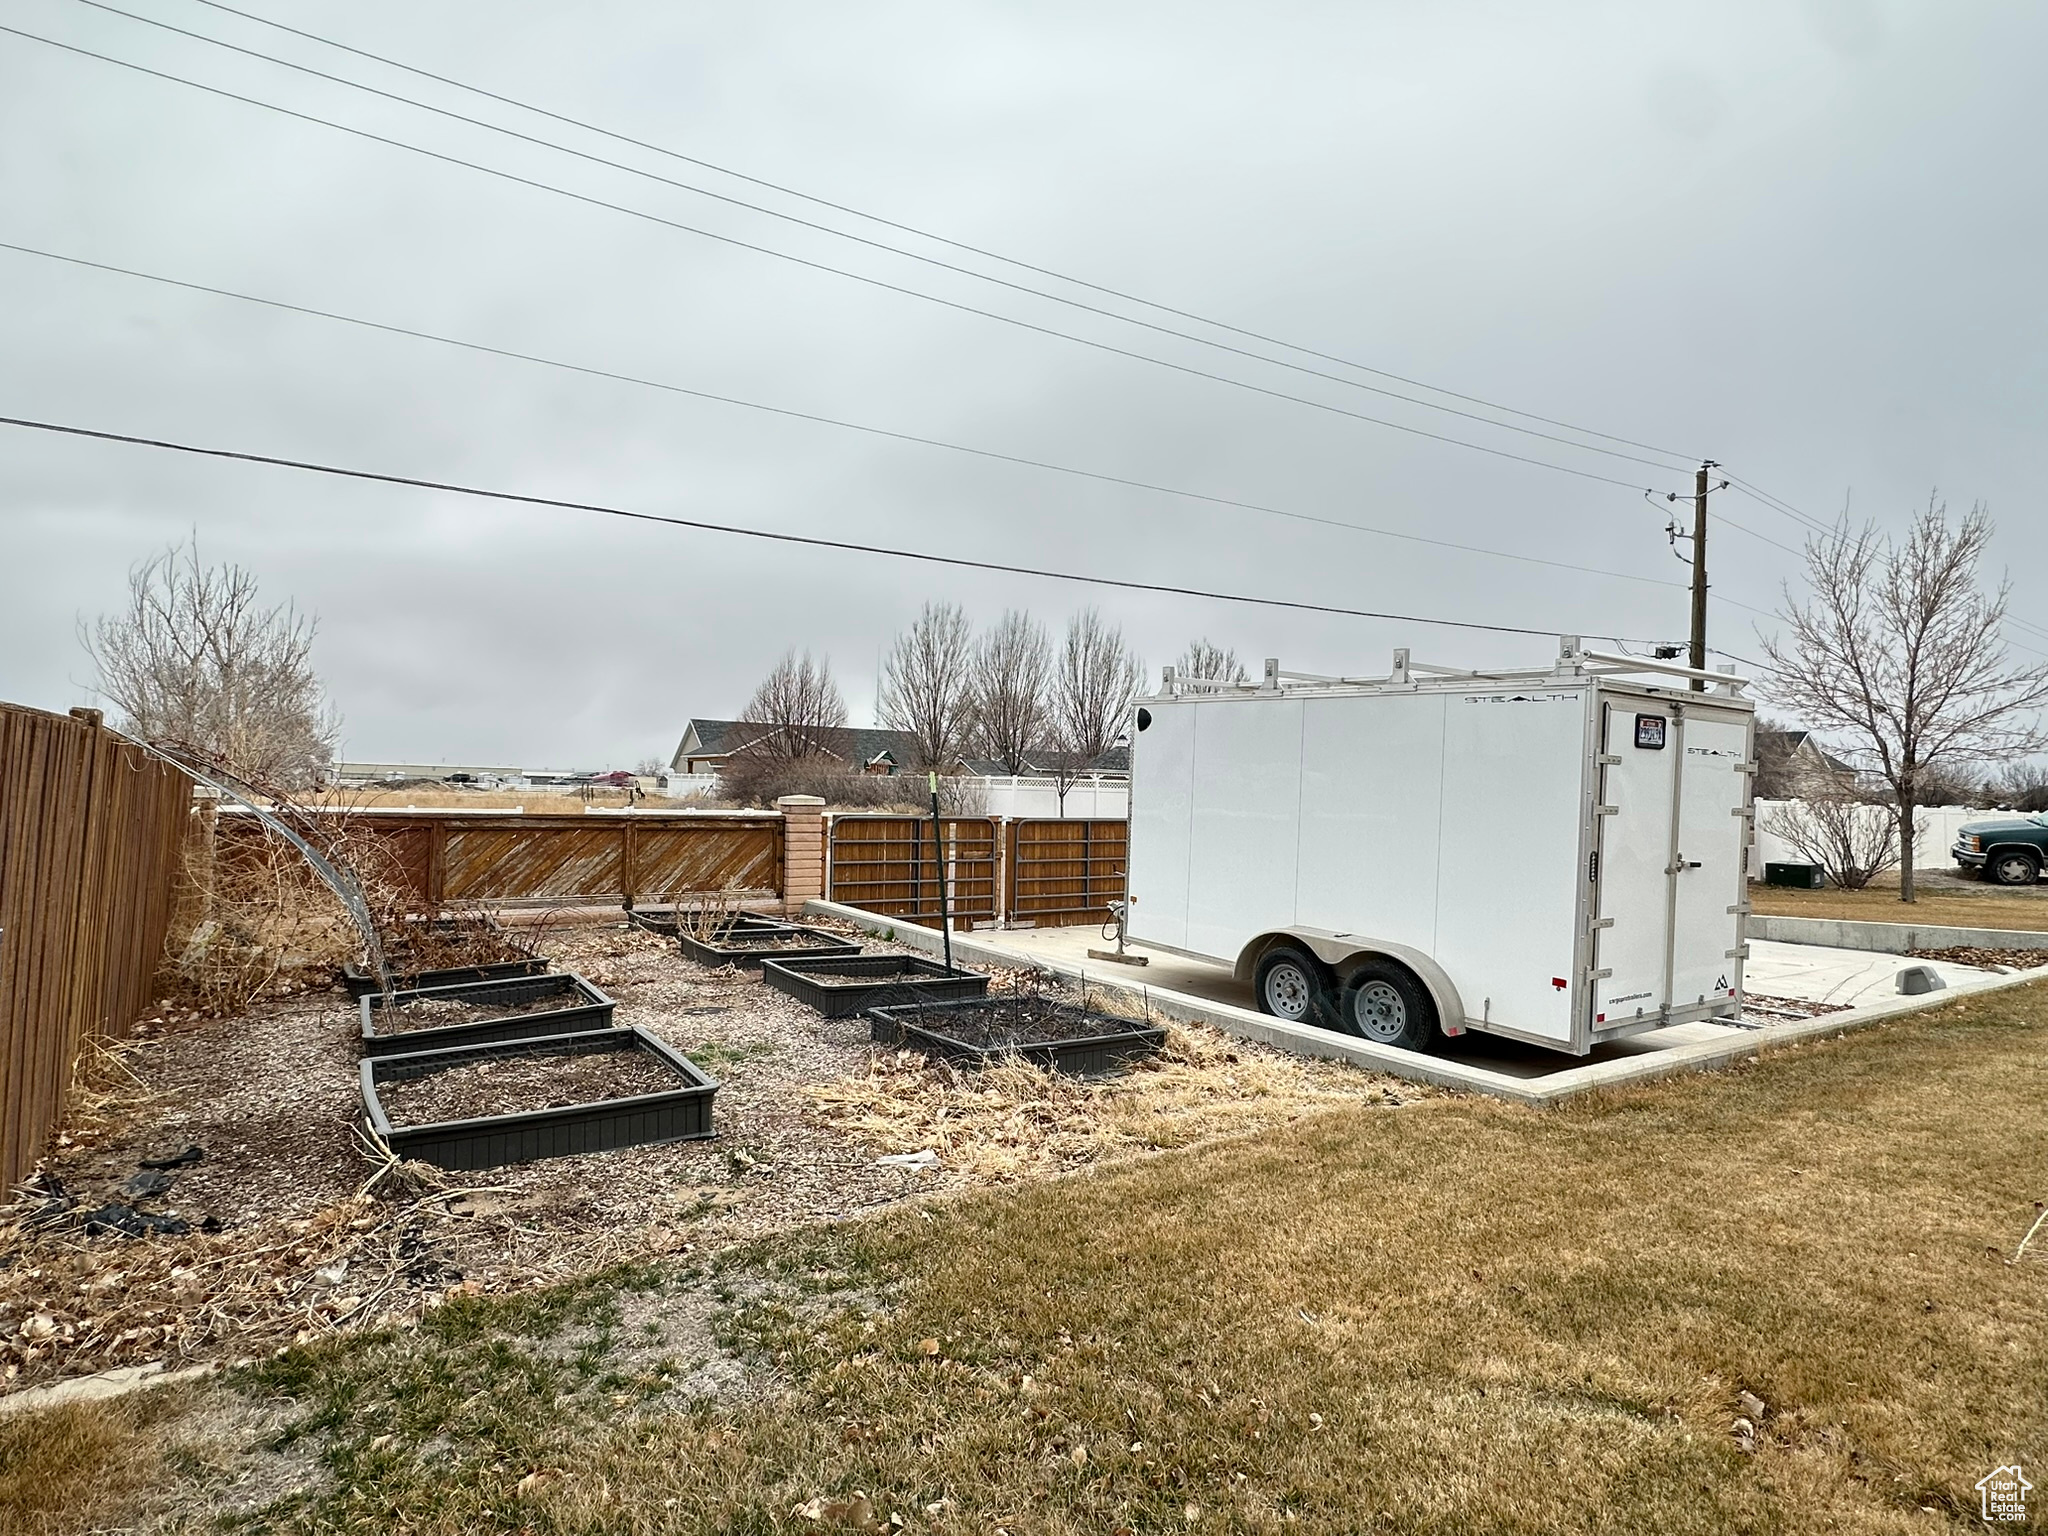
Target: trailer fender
(1342,953)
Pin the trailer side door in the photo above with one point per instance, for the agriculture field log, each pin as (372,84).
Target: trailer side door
(1713,799)
(1633,852)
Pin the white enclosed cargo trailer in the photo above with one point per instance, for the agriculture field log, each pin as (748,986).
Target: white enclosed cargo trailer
(1556,856)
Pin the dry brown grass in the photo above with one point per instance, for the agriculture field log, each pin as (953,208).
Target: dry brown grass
(1963,906)
(1457,1317)
(84,1466)
(1014,1120)
(534,802)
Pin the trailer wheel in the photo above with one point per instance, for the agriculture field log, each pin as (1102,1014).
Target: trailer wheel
(2012,866)
(1388,1006)
(1292,986)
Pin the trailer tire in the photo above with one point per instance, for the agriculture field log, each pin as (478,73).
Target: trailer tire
(1387,1004)
(1293,985)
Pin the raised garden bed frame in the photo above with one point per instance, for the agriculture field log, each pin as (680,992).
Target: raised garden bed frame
(361,984)
(662,920)
(584,1008)
(746,947)
(845,986)
(922,1027)
(492,1141)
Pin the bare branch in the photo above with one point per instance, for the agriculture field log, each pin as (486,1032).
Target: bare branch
(196,659)
(1899,649)
(927,684)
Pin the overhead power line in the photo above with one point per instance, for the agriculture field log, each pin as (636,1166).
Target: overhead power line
(614,376)
(926,234)
(878,245)
(803,261)
(703,525)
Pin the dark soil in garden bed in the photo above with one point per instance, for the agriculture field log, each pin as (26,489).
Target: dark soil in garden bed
(517,1084)
(1007,1023)
(435,1012)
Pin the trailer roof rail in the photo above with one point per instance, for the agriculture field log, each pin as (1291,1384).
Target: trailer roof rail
(1573,660)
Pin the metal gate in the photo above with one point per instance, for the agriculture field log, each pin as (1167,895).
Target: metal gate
(1063,873)
(886,865)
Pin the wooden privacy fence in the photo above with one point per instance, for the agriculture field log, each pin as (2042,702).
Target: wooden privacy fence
(1045,873)
(456,860)
(91,829)
(887,865)
(1060,873)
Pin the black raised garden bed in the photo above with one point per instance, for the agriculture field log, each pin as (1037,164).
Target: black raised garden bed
(1063,1036)
(361,983)
(748,946)
(841,986)
(481,1012)
(675,1107)
(662,920)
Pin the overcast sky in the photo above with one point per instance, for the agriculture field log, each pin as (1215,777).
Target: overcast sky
(1803,239)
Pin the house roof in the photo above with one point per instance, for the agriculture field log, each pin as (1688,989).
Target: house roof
(853,744)
(1791,742)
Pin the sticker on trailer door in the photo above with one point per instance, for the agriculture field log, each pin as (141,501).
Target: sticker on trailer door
(1650,732)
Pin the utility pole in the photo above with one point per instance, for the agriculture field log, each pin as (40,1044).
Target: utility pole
(1698,660)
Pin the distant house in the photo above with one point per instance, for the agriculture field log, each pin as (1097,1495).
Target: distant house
(1113,764)
(1787,759)
(708,744)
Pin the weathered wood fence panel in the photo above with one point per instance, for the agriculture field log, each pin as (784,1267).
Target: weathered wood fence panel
(1061,873)
(457,860)
(887,865)
(91,829)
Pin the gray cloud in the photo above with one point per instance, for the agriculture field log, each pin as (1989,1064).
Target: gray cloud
(1830,283)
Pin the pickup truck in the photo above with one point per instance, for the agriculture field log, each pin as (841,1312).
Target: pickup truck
(2009,852)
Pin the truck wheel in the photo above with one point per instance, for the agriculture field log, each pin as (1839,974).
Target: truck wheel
(1292,986)
(2010,866)
(1388,1006)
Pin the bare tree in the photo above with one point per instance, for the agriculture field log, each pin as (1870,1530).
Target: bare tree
(1099,676)
(196,658)
(1207,660)
(1012,673)
(795,708)
(1899,649)
(927,684)
(1828,820)
(2021,787)
(1093,687)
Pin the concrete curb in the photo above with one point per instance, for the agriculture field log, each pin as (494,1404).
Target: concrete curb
(1535,1092)
(100,1386)
(1889,938)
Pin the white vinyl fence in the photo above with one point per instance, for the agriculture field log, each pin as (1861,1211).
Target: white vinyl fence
(1937,829)
(1089,799)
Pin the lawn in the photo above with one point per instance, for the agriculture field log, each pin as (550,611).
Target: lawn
(1952,903)
(1454,1316)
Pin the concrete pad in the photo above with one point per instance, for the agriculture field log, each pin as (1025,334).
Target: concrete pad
(1199,992)
(1846,977)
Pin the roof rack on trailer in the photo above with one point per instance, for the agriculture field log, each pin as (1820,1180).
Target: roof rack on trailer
(1573,660)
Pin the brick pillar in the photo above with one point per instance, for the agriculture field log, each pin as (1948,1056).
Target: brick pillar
(803,850)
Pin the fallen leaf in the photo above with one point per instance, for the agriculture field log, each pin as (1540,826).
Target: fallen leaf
(1078,1455)
(928,1346)
(533,1482)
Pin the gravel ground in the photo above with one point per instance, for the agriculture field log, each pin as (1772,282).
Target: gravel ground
(299,1226)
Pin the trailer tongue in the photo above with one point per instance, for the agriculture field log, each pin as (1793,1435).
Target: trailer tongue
(1556,856)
